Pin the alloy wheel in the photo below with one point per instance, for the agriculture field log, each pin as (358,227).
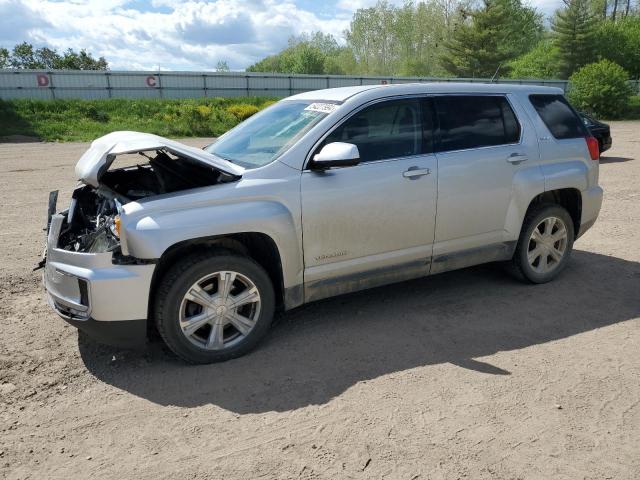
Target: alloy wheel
(547,245)
(219,310)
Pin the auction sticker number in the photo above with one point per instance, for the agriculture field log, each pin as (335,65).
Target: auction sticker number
(322,107)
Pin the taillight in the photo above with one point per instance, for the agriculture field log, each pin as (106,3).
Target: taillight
(594,148)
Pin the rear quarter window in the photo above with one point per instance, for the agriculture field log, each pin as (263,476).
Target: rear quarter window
(556,113)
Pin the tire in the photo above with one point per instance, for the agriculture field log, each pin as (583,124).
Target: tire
(539,261)
(201,324)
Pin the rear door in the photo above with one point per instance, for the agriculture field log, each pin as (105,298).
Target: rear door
(483,144)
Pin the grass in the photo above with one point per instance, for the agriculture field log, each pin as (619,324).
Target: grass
(84,120)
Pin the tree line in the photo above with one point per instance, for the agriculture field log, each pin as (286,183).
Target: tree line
(470,38)
(24,55)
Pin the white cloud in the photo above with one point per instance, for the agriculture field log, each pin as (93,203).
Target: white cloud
(18,20)
(188,35)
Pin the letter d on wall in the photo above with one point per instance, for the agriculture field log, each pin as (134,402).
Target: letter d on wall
(43,80)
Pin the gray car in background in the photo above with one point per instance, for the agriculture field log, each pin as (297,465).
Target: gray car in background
(322,193)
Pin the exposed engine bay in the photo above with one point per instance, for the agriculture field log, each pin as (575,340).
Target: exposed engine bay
(93,217)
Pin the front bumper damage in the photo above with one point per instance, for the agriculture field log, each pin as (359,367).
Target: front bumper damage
(107,301)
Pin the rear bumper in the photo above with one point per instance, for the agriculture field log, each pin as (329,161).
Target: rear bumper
(591,203)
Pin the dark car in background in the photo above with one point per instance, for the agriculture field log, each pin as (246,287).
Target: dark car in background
(600,130)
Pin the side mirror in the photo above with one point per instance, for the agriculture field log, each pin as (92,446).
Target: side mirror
(336,154)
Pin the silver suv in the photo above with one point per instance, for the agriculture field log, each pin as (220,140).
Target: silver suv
(322,193)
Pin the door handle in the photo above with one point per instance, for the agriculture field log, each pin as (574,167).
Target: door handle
(414,172)
(516,158)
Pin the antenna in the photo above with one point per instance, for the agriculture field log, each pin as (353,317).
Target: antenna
(495,75)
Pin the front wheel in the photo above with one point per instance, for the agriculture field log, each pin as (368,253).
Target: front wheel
(210,308)
(545,243)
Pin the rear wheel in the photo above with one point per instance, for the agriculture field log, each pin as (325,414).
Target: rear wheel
(545,243)
(210,308)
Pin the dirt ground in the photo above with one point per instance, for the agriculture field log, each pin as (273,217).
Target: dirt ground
(468,374)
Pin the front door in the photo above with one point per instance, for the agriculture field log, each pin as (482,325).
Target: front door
(373,223)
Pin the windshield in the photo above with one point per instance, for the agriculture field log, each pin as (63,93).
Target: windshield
(268,134)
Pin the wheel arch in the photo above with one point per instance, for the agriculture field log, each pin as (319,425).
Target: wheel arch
(258,246)
(568,198)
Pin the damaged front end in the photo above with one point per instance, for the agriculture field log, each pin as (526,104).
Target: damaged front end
(93,220)
(90,281)
(91,223)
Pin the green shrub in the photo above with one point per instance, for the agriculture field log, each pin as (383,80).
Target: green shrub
(600,88)
(242,111)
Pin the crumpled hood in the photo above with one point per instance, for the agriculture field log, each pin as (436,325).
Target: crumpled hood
(97,160)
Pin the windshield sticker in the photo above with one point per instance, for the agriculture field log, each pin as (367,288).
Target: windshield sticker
(322,107)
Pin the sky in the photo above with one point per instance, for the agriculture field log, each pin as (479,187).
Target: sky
(174,34)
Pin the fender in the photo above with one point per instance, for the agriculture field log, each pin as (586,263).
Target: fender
(572,174)
(529,183)
(148,234)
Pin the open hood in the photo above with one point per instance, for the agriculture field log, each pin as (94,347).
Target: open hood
(97,160)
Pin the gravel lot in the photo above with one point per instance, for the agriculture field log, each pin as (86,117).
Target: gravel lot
(468,374)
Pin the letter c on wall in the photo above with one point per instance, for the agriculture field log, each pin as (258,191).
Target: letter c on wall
(43,80)
(151,81)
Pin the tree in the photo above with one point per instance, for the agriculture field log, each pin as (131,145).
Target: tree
(540,62)
(371,37)
(222,66)
(620,42)
(46,58)
(342,62)
(315,53)
(420,34)
(613,9)
(24,55)
(81,61)
(498,31)
(305,58)
(574,28)
(4,58)
(406,40)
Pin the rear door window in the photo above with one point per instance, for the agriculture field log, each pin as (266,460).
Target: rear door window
(473,121)
(556,113)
